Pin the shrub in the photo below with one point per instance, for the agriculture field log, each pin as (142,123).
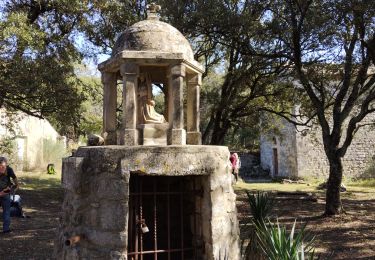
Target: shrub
(264,240)
(8,148)
(261,205)
(277,244)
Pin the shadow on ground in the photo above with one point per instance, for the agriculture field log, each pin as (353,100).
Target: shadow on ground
(349,236)
(33,238)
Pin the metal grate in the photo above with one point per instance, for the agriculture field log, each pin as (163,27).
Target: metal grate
(169,207)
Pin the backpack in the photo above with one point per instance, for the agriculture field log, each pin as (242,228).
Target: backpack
(15,206)
(51,168)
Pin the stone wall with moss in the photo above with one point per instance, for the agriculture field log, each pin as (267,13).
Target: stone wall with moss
(96,200)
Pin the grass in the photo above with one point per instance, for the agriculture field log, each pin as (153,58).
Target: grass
(367,183)
(360,186)
(38,180)
(274,186)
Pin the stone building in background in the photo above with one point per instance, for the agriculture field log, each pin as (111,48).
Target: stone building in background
(299,152)
(34,141)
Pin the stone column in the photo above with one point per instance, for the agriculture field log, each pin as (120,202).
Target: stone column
(194,83)
(176,105)
(109,81)
(129,73)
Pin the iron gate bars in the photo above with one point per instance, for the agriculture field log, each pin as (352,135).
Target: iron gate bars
(163,218)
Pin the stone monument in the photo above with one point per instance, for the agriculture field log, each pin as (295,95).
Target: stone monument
(152,191)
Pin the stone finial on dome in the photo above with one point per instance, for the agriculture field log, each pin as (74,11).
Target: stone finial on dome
(152,11)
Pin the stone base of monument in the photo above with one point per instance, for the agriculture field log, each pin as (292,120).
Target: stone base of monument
(153,134)
(169,202)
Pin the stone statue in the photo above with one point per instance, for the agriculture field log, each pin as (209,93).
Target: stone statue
(148,115)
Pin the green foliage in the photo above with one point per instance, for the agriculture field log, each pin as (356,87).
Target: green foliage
(330,57)
(278,244)
(266,240)
(261,205)
(92,107)
(7,147)
(37,54)
(367,183)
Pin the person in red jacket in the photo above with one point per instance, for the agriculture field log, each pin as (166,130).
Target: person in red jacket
(235,161)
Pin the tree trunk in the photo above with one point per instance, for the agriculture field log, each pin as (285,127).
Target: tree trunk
(333,200)
(218,136)
(219,132)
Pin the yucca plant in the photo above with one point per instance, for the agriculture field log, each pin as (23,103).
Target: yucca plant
(261,205)
(278,244)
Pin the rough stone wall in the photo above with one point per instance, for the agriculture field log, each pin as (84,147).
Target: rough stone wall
(358,160)
(306,147)
(311,158)
(285,143)
(220,224)
(96,184)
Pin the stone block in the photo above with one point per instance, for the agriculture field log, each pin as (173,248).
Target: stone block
(110,137)
(178,137)
(130,137)
(109,188)
(154,134)
(71,173)
(178,70)
(113,216)
(112,240)
(194,138)
(116,255)
(174,160)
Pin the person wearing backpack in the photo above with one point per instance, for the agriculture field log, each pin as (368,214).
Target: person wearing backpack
(6,186)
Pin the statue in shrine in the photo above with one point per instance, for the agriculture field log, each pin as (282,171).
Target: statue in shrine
(147,105)
(150,116)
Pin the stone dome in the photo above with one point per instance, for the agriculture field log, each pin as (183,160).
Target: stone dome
(153,36)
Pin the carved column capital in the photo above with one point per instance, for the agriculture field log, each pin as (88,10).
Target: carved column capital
(108,77)
(194,80)
(178,70)
(129,69)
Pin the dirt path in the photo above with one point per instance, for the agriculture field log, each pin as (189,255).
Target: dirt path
(350,236)
(33,237)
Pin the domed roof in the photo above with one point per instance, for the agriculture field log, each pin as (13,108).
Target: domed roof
(153,36)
